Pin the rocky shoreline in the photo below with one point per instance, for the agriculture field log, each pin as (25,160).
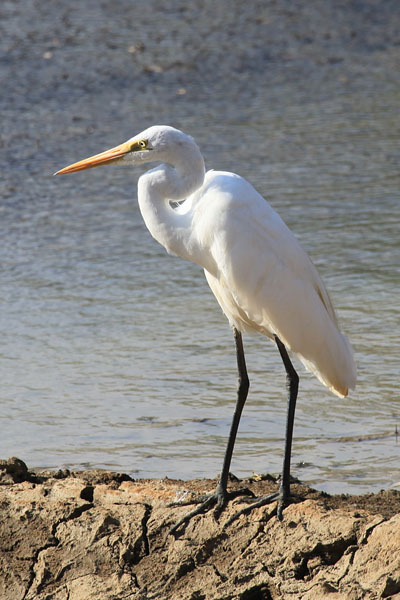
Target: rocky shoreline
(97,535)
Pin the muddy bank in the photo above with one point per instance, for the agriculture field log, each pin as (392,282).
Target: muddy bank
(98,535)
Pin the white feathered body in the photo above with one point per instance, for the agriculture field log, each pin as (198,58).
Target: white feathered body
(262,278)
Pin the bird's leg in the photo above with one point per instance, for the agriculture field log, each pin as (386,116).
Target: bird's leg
(242,391)
(221,495)
(293,388)
(283,493)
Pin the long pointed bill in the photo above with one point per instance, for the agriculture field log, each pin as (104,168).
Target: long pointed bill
(104,158)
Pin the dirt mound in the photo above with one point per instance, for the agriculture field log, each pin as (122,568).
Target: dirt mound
(102,536)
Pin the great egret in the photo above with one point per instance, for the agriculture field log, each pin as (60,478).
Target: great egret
(262,278)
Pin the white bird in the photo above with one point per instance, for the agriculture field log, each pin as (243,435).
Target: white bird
(262,278)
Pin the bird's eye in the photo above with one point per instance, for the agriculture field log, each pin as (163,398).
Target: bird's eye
(143,144)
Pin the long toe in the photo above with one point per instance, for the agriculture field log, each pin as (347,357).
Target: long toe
(219,499)
(247,509)
(201,508)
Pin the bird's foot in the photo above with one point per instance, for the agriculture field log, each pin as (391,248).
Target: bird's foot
(219,499)
(282,496)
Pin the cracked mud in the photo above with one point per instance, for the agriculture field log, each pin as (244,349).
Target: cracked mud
(101,536)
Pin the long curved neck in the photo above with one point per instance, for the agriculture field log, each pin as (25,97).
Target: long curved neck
(177,180)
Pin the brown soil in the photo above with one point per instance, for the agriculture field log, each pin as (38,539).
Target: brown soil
(97,535)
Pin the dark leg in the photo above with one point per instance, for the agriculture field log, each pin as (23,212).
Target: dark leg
(293,387)
(243,388)
(220,497)
(284,489)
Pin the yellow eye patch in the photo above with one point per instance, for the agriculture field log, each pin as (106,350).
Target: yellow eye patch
(139,145)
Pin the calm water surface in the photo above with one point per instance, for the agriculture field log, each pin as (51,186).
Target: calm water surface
(116,355)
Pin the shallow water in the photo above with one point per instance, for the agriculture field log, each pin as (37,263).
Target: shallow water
(116,355)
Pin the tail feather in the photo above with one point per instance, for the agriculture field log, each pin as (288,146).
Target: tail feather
(334,365)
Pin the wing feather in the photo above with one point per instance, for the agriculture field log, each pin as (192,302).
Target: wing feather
(265,282)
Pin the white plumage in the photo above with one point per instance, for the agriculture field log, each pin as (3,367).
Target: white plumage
(265,282)
(262,278)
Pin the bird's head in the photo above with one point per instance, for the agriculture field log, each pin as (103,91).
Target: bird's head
(154,144)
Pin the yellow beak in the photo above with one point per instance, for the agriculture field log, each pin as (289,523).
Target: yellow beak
(104,158)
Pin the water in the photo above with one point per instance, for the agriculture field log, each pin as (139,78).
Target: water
(116,355)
